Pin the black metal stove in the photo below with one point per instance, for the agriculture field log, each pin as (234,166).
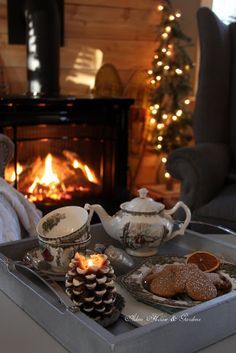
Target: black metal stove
(67,150)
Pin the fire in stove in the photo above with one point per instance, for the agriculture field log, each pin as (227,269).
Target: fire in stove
(53,177)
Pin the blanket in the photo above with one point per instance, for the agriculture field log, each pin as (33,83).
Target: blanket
(16,212)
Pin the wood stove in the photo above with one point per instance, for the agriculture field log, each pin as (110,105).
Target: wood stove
(68,150)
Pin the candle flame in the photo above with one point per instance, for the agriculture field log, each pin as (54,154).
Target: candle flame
(90,263)
(94,260)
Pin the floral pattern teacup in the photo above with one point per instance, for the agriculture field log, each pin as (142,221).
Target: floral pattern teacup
(61,233)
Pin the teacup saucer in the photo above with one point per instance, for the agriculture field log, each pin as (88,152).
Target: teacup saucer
(35,257)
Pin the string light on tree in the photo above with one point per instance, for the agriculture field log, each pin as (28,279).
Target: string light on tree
(164,159)
(167,175)
(152,121)
(170,84)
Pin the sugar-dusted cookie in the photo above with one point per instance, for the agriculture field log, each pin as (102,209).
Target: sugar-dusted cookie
(219,281)
(181,276)
(174,279)
(163,283)
(198,286)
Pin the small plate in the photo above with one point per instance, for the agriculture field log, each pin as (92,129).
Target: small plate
(134,282)
(37,260)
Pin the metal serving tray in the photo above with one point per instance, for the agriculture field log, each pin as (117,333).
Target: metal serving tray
(206,323)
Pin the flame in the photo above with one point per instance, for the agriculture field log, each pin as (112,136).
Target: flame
(10,174)
(49,177)
(33,186)
(90,263)
(77,165)
(55,177)
(48,185)
(90,175)
(86,262)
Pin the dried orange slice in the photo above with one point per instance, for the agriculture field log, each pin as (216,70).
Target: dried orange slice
(206,261)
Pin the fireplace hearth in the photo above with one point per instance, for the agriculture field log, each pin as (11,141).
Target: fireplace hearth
(68,150)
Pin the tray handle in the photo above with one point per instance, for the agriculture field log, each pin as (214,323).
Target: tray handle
(53,286)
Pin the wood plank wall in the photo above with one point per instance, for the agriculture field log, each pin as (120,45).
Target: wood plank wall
(123,30)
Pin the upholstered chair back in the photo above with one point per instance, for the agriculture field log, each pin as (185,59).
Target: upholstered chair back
(212,111)
(207,170)
(232,128)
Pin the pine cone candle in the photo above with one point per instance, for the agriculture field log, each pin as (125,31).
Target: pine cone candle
(90,285)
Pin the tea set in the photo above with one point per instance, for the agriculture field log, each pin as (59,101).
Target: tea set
(62,232)
(140,225)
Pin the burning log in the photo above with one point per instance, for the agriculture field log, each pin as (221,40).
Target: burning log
(54,178)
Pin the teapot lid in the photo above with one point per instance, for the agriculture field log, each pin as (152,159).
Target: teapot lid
(142,204)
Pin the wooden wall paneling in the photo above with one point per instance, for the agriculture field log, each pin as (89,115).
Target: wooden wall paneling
(123,30)
(13,56)
(135,4)
(3,18)
(99,14)
(109,31)
(16,79)
(109,22)
(3,26)
(123,54)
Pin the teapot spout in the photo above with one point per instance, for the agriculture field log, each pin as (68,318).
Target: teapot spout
(107,221)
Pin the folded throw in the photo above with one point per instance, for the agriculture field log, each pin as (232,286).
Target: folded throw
(16,211)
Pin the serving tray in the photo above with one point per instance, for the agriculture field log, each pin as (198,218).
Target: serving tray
(71,328)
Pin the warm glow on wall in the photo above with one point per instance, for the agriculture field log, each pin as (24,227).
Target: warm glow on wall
(86,65)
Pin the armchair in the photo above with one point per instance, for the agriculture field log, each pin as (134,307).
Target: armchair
(207,171)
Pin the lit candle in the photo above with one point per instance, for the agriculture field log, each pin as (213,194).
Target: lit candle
(90,284)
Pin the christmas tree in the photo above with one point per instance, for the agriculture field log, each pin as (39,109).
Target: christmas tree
(170,83)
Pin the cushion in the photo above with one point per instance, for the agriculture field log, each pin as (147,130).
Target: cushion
(221,210)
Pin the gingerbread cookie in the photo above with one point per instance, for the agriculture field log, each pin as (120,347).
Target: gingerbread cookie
(219,281)
(198,286)
(163,283)
(181,277)
(174,279)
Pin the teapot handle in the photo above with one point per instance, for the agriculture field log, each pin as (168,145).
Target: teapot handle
(90,211)
(186,222)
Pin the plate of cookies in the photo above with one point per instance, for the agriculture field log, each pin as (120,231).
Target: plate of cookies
(178,282)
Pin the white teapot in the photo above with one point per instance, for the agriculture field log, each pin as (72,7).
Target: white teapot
(142,224)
